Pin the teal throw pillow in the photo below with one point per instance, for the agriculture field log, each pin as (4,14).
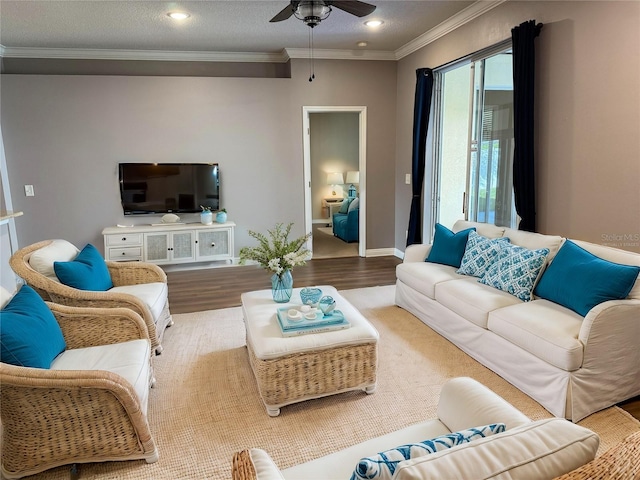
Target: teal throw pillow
(29,333)
(579,280)
(88,271)
(354,205)
(448,247)
(383,465)
(344,208)
(479,254)
(516,270)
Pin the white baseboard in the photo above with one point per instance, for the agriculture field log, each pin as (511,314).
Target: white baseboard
(379,252)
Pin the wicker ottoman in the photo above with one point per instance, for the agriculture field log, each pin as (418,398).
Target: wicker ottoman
(299,368)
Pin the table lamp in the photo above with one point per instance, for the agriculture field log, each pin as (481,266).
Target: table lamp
(353,177)
(334,179)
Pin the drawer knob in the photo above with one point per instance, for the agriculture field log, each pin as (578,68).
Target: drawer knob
(123,253)
(124,239)
(213,244)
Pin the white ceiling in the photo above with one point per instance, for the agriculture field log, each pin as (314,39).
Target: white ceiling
(128,29)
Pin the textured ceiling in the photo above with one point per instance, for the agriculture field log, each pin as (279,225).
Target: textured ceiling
(214,26)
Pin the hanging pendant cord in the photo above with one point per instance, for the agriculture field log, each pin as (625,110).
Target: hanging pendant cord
(312,73)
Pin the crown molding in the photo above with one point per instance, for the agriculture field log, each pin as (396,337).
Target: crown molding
(327,54)
(155,55)
(470,13)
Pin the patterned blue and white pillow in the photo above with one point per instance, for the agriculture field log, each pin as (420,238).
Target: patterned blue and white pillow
(516,270)
(479,254)
(383,465)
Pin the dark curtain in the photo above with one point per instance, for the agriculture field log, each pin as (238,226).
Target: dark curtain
(421,112)
(524,63)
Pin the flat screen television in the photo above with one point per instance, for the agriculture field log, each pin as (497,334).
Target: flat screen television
(147,188)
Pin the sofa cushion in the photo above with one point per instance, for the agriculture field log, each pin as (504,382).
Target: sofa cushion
(129,359)
(485,229)
(29,333)
(383,465)
(448,247)
(423,276)
(516,270)
(579,280)
(535,241)
(543,449)
(479,254)
(472,300)
(154,295)
(544,329)
(5,296)
(41,260)
(88,271)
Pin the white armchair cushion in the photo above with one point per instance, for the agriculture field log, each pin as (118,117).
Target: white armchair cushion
(5,296)
(41,260)
(129,359)
(154,295)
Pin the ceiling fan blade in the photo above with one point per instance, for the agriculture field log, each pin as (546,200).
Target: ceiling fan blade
(285,13)
(354,7)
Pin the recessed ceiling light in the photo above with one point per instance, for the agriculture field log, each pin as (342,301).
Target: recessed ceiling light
(178,15)
(362,44)
(373,23)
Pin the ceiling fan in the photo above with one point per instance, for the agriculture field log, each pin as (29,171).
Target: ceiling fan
(312,12)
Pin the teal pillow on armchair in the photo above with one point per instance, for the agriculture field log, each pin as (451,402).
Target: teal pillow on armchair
(29,333)
(88,271)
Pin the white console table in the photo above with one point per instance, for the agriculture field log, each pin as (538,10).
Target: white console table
(170,243)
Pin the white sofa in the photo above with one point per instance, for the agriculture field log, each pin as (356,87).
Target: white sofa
(525,450)
(570,364)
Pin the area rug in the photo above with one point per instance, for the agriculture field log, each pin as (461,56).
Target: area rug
(326,230)
(206,406)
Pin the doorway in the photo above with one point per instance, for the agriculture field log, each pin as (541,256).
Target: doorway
(334,143)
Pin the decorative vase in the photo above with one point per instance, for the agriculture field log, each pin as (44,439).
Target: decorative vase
(206,218)
(282,286)
(221,217)
(327,304)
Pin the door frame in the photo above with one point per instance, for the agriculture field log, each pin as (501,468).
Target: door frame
(362,163)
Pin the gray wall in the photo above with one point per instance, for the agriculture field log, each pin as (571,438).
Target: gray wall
(587,117)
(66,134)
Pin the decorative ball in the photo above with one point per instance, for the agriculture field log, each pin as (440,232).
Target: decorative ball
(310,295)
(327,304)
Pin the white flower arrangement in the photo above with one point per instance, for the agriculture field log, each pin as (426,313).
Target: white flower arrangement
(275,252)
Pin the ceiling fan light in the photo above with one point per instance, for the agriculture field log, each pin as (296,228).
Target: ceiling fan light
(312,12)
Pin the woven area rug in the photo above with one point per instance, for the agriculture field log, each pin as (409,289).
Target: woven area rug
(206,406)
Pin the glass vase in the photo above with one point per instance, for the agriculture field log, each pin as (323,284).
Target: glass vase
(282,286)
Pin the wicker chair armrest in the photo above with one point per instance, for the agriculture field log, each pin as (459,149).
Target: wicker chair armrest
(242,466)
(45,394)
(90,327)
(134,273)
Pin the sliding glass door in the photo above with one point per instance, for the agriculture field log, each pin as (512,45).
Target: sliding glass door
(473,147)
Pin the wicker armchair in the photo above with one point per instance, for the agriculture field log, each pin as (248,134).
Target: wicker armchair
(56,417)
(122,274)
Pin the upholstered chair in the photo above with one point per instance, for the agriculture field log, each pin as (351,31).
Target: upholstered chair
(82,396)
(140,286)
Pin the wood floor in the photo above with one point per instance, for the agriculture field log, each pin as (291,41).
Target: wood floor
(213,288)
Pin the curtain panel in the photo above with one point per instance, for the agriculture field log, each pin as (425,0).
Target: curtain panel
(524,61)
(421,112)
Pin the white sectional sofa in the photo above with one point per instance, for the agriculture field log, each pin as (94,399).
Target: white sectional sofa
(542,450)
(573,365)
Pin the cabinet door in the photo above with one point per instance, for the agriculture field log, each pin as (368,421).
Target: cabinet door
(156,247)
(182,244)
(214,244)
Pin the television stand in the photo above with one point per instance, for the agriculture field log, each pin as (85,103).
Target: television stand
(170,243)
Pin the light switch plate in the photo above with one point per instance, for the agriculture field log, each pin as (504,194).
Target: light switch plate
(407,178)
(28,190)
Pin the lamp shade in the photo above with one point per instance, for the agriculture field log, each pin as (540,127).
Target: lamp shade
(335,178)
(353,177)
